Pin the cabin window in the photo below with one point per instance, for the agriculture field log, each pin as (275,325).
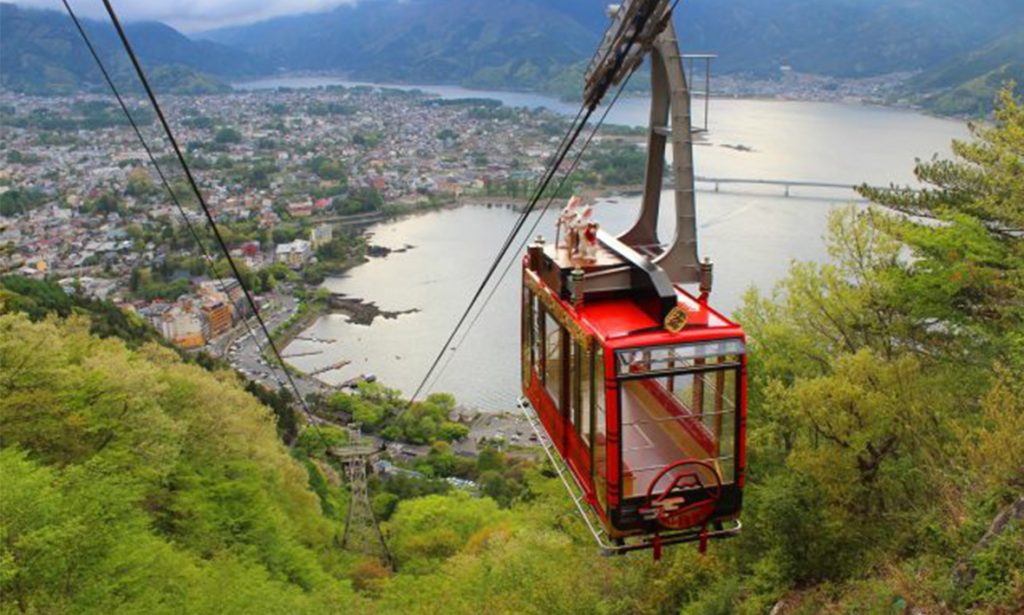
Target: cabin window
(600,446)
(570,406)
(678,403)
(585,389)
(538,340)
(677,358)
(528,358)
(553,359)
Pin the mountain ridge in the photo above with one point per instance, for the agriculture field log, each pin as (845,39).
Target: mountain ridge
(540,45)
(969,84)
(42,53)
(841,38)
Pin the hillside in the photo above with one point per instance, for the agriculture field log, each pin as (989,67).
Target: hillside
(534,44)
(539,45)
(133,481)
(521,43)
(968,85)
(42,53)
(844,38)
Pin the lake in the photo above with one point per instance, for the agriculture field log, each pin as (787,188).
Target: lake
(751,233)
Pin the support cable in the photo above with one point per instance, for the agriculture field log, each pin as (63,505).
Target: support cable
(206,211)
(549,174)
(529,233)
(156,165)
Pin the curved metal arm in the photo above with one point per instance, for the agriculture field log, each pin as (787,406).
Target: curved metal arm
(669,94)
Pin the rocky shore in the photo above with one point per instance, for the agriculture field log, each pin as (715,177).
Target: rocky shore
(362,312)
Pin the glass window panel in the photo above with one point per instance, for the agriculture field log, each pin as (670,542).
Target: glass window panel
(669,418)
(538,339)
(688,356)
(600,454)
(572,402)
(528,358)
(553,359)
(586,384)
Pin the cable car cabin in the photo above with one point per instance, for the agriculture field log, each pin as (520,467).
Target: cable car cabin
(641,388)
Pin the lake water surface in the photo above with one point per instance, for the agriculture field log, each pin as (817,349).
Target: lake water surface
(751,234)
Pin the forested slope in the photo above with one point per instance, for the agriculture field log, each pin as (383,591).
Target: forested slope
(133,480)
(42,53)
(968,83)
(886,472)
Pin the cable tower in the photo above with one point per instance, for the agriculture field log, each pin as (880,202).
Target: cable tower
(362,532)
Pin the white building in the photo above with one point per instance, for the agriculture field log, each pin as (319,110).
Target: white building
(181,325)
(294,254)
(320,235)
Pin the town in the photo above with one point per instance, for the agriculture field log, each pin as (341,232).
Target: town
(290,176)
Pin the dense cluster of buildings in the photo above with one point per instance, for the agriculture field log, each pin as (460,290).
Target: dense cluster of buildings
(789,83)
(81,204)
(195,318)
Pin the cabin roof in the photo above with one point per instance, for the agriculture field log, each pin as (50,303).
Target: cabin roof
(622,323)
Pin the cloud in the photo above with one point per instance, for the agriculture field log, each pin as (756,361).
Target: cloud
(192,15)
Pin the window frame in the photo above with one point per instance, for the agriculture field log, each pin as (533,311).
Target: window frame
(737,366)
(600,460)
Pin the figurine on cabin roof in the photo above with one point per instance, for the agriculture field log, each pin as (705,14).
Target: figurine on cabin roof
(588,237)
(585,230)
(569,219)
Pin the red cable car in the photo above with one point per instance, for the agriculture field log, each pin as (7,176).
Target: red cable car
(639,385)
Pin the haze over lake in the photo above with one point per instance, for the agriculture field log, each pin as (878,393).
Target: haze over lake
(751,233)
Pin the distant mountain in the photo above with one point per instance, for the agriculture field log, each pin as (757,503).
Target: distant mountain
(543,44)
(41,52)
(843,38)
(960,46)
(968,85)
(512,43)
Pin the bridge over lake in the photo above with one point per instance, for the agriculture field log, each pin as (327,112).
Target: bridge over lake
(717,182)
(369,218)
(784,183)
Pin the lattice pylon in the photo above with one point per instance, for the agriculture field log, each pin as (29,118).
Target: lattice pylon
(362,532)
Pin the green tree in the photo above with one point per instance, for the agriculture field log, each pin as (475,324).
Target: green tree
(328,169)
(139,183)
(969,269)
(106,203)
(222,269)
(17,202)
(419,541)
(227,135)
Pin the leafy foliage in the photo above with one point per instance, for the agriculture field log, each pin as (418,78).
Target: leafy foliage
(135,481)
(18,202)
(885,405)
(381,410)
(358,201)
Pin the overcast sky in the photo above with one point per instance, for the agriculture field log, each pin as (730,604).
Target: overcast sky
(192,15)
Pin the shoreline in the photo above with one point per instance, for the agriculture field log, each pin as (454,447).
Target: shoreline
(362,312)
(472,92)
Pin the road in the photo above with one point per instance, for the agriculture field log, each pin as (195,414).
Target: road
(244,351)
